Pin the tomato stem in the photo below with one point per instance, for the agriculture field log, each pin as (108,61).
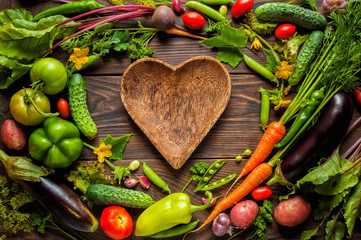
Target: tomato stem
(30,100)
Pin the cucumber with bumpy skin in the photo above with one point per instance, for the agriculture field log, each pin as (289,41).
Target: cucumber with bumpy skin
(111,195)
(78,106)
(284,12)
(306,56)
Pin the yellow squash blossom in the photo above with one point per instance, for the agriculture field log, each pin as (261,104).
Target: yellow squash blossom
(281,104)
(103,151)
(79,57)
(284,71)
(256,44)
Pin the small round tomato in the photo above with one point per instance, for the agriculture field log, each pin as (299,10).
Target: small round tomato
(63,108)
(51,72)
(357,95)
(285,31)
(241,7)
(261,193)
(116,222)
(193,20)
(22,109)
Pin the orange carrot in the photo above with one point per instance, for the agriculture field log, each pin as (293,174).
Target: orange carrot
(180,32)
(255,178)
(272,136)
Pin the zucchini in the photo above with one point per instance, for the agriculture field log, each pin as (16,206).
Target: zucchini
(102,194)
(78,106)
(306,56)
(284,12)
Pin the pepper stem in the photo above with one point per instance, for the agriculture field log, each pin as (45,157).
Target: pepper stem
(202,207)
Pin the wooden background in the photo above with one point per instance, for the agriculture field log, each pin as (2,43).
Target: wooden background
(236,130)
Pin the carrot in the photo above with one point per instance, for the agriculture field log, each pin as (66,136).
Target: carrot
(272,136)
(180,32)
(255,178)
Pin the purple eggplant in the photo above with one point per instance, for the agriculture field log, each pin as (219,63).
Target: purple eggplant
(63,203)
(321,139)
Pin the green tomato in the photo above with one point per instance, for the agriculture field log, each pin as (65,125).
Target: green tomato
(51,72)
(23,110)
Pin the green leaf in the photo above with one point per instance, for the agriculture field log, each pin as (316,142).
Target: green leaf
(9,15)
(327,203)
(22,39)
(229,37)
(11,70)
(232,56)
(335,229)
(309,233)
(352,208)
(289,49)
(118,145)
(272,61)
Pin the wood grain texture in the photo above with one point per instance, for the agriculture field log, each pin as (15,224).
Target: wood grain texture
(236,129)
(176,106)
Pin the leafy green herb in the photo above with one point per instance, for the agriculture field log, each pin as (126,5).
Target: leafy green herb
(265,28)
(289,48)
(260,223)
(197,170)
(140,48)
(87,174)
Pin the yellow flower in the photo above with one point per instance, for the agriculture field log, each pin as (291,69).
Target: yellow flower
(284,71)
(79,57)
(287,90)
(247,31)
(103,151)
(256,44)
(281,104)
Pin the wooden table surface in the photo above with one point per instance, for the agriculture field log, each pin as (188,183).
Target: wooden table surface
(236,130)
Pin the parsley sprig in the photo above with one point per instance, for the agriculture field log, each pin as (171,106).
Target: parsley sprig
(198,169)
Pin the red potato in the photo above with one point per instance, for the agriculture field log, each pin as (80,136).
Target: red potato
(13,135)
(243,213)
(293,211)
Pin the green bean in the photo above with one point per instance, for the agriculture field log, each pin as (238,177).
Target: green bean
(265,108)
(216,184)
(206,10)
(69,8)
(154,178)
(258,68)
(216,2)
(211,171)
(176,231)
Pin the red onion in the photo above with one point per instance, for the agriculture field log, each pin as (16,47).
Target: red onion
(178,6)
(222,225)
(130,182)
(332,5)
(144,181)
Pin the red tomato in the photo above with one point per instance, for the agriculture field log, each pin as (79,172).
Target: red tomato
(241,7)
(63,108)
(261,193)
(285,31)
(193,20)
(357,95)
(116,222)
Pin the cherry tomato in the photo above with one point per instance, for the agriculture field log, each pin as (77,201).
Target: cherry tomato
(116,222)
(24,112)
(52,73)
(241,7)
(357,95)
(285,31)
(193,20)
(261,193)
(63,108)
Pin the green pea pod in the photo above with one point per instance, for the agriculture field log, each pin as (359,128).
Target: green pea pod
(302,117)
(69,8)
(258,68)
(176,231)
(206,10)
(154,178)
(211,171)
(265,108)
(216,2)
(216,184)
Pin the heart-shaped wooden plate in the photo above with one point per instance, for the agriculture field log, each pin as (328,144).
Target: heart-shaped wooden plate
(176,107)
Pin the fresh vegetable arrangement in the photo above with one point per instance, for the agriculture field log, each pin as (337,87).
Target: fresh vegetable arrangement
(316,58)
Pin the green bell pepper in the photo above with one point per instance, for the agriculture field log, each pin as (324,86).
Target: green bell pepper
(166,213)
(57,143)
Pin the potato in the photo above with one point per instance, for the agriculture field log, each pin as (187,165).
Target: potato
(293,211)
(13,135)
(243,213)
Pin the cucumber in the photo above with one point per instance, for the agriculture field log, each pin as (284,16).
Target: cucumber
(78,106)
(111,195)
(307,54)
(284,12)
